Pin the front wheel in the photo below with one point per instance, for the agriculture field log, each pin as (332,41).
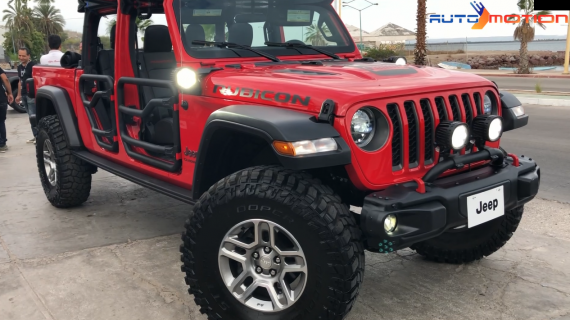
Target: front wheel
(66,179)
(466,245)
(269,243)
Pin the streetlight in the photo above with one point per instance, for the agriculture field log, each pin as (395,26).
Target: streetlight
(360,14)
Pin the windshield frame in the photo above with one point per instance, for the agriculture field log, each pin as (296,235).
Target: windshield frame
(236,53)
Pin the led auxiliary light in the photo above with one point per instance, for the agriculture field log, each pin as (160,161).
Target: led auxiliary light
(186,78)
(452,135)
(401,61)
(390,223)
(305,147)
(487,128)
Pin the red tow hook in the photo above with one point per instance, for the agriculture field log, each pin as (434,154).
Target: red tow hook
(515,159)
(421,185)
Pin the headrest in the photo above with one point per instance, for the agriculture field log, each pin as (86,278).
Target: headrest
(195,32)
(112,36)
(157,39)
(241,33)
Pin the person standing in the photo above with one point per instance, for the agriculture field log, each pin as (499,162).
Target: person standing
(5,99)
(53,58)
(25,72)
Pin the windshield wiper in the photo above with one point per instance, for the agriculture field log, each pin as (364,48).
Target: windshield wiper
(228,45)
(301,45)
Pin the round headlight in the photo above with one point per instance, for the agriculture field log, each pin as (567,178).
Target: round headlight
(186,78)
(452,135)
(362,127)
(487,128)
(488,104)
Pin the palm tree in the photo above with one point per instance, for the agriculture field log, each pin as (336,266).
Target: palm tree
(314,35)
(141,24)
(18,20)
(524,32)
(49,20)
(420,51)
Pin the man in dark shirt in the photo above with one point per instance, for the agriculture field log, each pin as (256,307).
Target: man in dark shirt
(25,72)
(5,98)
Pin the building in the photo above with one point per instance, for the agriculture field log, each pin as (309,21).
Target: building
(388,33)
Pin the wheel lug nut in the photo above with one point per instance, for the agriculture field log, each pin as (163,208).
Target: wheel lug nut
(255,255)
(267,250)
(273,272)
(258,270)
(277,260)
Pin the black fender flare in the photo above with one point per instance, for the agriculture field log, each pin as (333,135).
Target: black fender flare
(270,124)
(510,120)
(63,108)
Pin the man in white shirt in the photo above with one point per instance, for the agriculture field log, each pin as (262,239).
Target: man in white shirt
(53,58)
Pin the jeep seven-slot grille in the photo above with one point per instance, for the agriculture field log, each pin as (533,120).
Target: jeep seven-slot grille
(429,110)
(397,137)
(413,134)
(428,130)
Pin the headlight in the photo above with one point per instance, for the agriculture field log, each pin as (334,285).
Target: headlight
(452,135)
(362,127)
(186,78)
(401,61)
(488,103)
(487,128)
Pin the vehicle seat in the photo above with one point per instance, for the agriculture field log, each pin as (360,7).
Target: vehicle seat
(105,65)
(158,62)
(194,32)
(241,33)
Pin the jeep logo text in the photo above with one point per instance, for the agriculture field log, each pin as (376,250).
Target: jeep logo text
(487,206)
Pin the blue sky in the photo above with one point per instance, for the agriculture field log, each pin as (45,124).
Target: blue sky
(400,12)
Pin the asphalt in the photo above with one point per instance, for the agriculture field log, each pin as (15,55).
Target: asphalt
(116,257)
(519,83)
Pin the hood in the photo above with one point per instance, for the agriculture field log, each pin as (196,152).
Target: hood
(306,87)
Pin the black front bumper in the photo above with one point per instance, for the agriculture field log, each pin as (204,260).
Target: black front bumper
(443,206)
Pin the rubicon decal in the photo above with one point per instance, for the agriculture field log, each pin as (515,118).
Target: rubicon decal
(283,97)
(484,17)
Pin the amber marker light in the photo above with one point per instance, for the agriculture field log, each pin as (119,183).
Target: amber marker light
(305,147)
(284,148)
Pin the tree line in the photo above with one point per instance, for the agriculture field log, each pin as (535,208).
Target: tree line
(29,23)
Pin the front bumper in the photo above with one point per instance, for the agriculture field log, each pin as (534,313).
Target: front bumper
(443,206)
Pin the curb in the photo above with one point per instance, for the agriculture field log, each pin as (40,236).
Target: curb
(544,101)
(554,76)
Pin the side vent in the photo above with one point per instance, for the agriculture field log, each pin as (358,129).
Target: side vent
(397,137)
(429,129)
(413,134)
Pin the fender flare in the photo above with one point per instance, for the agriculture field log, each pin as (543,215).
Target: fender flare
(510,120)
(270,124)
(64,110)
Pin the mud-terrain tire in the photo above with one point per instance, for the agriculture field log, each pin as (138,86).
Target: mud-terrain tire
(296,205)
(69,184)
(467,245)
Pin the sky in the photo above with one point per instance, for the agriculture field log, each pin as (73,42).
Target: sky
(400,12)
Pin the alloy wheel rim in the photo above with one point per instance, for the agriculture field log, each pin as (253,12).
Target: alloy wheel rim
(49,163)
(262,265)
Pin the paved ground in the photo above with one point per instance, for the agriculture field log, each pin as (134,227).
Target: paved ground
(116,257)
(548,84)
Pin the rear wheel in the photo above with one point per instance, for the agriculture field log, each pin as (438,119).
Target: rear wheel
(66,179)
(269,243)
(20,107)
(465,245)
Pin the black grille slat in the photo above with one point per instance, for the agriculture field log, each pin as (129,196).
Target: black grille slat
(397,137)
(468,108)
(413,134)
(477,97)
(429,130)
(441,110)
(455,108)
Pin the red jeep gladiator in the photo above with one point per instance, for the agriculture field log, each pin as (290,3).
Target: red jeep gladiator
(264,115)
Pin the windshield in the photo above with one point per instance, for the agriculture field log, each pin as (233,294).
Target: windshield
(255,22)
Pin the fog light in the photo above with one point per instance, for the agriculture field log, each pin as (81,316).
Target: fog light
(487,128)
(452,135)
(390,223)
